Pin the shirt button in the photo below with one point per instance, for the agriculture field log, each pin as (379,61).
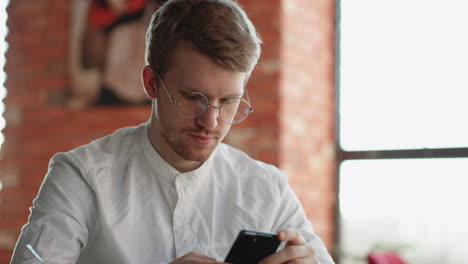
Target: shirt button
(180,180)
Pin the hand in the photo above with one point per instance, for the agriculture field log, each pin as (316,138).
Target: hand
(296,250)
(195,258)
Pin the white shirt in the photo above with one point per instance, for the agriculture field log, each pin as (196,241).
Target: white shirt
(116,200)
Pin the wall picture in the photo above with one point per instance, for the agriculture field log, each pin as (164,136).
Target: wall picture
(107,46)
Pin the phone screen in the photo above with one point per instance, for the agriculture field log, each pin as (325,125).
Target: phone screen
(250,247)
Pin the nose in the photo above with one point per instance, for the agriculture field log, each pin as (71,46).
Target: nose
(210,118)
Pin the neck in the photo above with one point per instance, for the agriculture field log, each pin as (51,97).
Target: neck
(166,152)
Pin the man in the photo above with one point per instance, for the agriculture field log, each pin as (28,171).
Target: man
(168,191)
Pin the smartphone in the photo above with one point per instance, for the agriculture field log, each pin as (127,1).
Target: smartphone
(251,246)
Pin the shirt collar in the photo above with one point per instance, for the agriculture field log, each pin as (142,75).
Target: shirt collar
(164,169)
(159,165)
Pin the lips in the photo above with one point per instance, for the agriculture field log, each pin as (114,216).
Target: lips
(202,139)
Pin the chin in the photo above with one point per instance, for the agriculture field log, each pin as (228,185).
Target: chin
(196,155)
(187,149)
(194,152)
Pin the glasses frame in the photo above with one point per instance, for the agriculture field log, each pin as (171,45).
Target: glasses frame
(207,104)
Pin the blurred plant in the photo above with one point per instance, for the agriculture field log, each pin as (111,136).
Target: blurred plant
(362,259)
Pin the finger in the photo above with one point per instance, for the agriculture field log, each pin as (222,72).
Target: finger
(288,254)
(292,236)
(194,254)
(197,258)
(307,260)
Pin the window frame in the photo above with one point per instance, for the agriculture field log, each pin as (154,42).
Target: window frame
(342,155)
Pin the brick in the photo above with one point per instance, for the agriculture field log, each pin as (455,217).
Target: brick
(7,240)
(270,156)
(5,255)
(9,177)
(269,66)
(31,101)
(13,115)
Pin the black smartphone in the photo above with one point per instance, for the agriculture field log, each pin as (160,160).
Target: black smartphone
(251,246)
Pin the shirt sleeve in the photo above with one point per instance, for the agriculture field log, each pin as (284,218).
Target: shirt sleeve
(290,214)
(61,218)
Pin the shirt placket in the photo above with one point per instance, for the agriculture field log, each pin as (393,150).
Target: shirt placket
(181,225)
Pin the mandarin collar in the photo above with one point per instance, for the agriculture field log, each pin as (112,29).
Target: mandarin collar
(164,169)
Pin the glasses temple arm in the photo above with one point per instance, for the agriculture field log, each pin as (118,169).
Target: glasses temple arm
(248,100)
(167,91)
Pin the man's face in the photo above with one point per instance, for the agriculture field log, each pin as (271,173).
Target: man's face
(190,71)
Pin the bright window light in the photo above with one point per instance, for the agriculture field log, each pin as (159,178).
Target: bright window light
(419,204)
(403,74)
(404,85)
(3,48)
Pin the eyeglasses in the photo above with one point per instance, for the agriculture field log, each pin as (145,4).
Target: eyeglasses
(194,104)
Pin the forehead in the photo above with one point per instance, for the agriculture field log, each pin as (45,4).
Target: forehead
(190,70)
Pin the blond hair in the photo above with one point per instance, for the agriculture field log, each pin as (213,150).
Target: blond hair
(219,29)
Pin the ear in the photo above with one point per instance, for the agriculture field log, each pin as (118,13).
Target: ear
(149,82)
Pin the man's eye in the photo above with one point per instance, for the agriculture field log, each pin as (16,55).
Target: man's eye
(194,97)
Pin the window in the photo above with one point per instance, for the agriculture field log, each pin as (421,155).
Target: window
(3,47)
(402,129)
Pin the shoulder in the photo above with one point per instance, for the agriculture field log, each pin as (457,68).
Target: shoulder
(115,147)
(120,142)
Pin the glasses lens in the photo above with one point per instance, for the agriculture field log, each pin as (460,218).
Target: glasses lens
(192,105)
(235,110)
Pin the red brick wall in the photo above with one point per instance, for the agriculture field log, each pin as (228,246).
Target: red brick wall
(307,108)
(37,127)
(259,134)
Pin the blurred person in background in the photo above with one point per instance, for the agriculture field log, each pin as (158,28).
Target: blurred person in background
(107,48)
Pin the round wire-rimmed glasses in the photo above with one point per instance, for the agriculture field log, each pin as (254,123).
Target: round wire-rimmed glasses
(194,104)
